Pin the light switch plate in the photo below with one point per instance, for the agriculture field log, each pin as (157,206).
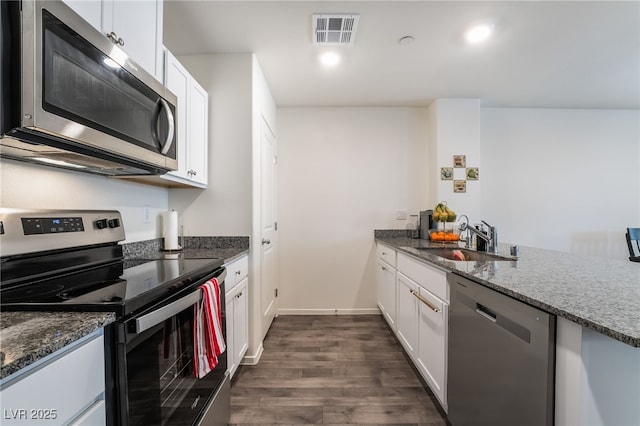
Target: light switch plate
(401,214)
(146,214)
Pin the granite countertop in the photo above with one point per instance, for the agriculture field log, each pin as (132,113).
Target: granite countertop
(226,248)
(26,337)
(597,293)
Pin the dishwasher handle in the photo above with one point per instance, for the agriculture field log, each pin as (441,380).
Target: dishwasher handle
(486,312)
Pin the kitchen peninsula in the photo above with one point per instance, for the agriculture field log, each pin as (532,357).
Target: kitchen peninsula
(597,304)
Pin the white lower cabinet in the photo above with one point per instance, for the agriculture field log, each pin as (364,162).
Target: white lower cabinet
(423,320)
(387,292)
(34,395)
(386,283)
(407,319)
(432,347)
(237,312)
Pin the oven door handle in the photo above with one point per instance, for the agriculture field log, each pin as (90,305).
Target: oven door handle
(154,318)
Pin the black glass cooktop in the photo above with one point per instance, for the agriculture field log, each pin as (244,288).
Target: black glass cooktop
(109,287)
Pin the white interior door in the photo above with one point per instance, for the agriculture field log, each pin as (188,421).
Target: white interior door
(268,226)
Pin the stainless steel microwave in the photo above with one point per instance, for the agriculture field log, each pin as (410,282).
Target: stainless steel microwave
(72,98)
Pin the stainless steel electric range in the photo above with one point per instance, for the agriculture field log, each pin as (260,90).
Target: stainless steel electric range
(72,261)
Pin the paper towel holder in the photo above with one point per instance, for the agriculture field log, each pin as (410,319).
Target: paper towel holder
(170,232)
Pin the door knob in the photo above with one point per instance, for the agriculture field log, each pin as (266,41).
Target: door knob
(265,241)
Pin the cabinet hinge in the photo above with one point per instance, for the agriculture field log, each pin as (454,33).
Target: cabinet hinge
(276,292)
(275,226)
(275,159)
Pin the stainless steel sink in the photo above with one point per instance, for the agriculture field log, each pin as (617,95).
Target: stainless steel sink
(469,255)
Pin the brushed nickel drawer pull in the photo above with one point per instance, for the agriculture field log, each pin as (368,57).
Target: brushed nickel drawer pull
(425,301)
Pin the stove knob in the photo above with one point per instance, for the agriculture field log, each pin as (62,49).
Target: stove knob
(101,223)
(114,223)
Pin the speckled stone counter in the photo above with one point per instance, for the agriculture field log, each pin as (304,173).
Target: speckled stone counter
(226,248)
(597,293)
(26,337)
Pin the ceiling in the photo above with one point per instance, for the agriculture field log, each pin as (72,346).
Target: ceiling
(548,54)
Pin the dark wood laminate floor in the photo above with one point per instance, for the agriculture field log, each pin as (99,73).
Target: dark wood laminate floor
(331,370)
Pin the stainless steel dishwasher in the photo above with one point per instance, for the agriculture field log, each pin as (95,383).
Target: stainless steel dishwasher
(501,359)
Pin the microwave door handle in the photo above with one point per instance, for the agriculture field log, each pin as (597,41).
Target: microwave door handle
(169,141)
(162,104)
(154,318)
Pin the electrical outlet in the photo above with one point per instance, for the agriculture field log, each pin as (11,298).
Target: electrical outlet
(146,214)
(401,214)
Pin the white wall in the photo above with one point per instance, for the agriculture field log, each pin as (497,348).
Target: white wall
(456,132)
(565,180)
(342,173)
(29,186)
(224,208)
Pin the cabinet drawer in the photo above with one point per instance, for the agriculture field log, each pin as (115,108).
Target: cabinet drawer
(387,254)
(236,272)
(81,370)
(94,416)
(432,279)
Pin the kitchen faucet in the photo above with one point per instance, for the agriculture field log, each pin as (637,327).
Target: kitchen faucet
(491,238)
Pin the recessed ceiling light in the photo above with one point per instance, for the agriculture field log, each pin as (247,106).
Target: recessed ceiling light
(330,59)
(478,33)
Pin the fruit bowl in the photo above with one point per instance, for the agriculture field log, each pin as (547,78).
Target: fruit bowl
(442,236)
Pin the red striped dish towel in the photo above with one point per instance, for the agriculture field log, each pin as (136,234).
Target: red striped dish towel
(208,340)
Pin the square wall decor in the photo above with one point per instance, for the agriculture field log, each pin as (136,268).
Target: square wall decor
(459,186)
(473,173)
(446,173)
(459,161)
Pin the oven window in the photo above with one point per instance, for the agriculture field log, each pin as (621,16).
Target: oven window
(161,386)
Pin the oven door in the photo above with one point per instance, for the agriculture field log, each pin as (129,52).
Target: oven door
(156,381)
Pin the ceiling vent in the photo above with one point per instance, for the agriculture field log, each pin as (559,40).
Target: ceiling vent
(335,29)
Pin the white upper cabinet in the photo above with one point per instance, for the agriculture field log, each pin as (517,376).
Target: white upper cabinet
(198,134)
(90,10)
(192,126)
(133,24)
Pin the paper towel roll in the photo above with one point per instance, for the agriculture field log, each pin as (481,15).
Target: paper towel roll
(170,230)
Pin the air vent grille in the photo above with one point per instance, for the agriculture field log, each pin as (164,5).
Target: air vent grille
(335,29)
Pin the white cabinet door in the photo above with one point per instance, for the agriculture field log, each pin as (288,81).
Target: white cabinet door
(35,393)
(241,321)
(178,81)
(387,292)
(136,22)
(232,362)
(89,10)
(407,314)
(381,286)
(432,347)
(192,127)
(198,133)
(237,324)
(237,303)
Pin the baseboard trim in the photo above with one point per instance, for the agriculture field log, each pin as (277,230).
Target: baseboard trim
(253,359)
(362,311)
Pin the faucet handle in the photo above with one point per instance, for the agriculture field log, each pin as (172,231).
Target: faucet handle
(489,226)
(463,225)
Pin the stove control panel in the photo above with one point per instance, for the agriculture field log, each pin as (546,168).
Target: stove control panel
(30,231)
(51,225)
